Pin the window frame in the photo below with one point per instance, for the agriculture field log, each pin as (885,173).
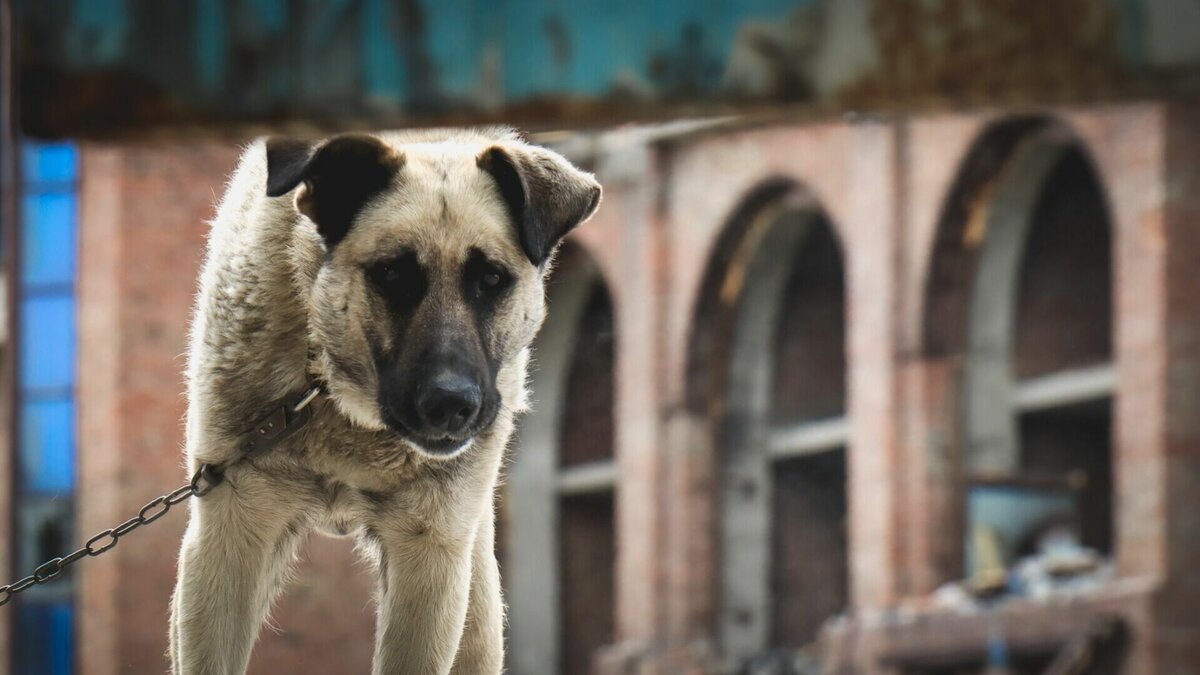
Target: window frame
(44,625)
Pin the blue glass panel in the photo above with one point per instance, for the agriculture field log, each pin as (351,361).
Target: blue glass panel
(48,446)
(54,162)
(47,358)
(44,631)
(48,238)
(47,638)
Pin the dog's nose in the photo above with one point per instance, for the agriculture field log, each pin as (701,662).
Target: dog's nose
(448,402)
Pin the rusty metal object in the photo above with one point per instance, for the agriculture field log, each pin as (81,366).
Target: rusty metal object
(992,51)
(235,66)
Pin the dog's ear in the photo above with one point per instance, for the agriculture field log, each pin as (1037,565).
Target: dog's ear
(545,195)
(339,176)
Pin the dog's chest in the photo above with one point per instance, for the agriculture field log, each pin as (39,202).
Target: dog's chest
(369,460)
(346,508)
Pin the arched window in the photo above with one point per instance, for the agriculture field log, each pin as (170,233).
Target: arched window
(1062,348)
(560,501)
(1039,376)
(783,431)
(1023,269)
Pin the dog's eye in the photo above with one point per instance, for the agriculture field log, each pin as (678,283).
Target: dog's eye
(484,280)
(490,282)
(388,274)
(385,274)
(400,281)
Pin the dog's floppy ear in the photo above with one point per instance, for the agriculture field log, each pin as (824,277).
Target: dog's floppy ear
(545,195)
(339,176)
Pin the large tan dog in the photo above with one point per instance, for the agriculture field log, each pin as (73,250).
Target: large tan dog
(404,273)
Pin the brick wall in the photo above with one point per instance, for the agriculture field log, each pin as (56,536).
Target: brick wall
(143,212)
(887,188)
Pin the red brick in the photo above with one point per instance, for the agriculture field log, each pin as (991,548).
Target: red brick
(144,211)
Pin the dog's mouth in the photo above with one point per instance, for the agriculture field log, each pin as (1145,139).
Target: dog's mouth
(438,416)
(442,446)
(445,446)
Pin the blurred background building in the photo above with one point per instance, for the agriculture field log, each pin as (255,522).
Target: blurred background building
(882,354)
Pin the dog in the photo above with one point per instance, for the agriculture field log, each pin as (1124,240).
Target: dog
(404,273)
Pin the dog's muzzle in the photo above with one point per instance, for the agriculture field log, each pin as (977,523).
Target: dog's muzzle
(440,411)
(447,404)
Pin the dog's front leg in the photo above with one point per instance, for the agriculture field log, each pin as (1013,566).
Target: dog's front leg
(425,577)
(239,540)
(482,648)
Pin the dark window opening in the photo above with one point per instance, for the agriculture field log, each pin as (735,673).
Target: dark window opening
(586,537)
(1064,305)
(587,422)
(1073,444)
(809,561)
(810,380)
(810,575)
(1064,323)
(587,540)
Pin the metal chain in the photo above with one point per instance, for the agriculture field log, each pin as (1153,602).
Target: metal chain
(106,540)
(207,477)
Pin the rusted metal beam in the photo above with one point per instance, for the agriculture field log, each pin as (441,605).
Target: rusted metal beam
(237,65)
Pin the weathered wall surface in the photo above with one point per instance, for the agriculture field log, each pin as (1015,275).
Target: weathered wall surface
(92,68)
(886,187)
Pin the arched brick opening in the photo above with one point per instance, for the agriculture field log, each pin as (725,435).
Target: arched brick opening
(768,368)
(710,339)
(559,515)
(1018,303)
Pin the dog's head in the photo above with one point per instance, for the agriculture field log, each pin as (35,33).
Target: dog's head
(432,282)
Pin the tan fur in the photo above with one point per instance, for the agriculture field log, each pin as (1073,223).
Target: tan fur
(273,310)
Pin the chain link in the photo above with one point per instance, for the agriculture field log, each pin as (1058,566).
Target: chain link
(206,478)
(107,539)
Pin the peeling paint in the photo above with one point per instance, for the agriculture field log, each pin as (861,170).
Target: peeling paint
(96,68)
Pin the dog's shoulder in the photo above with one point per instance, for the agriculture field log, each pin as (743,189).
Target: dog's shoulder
(246,219)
